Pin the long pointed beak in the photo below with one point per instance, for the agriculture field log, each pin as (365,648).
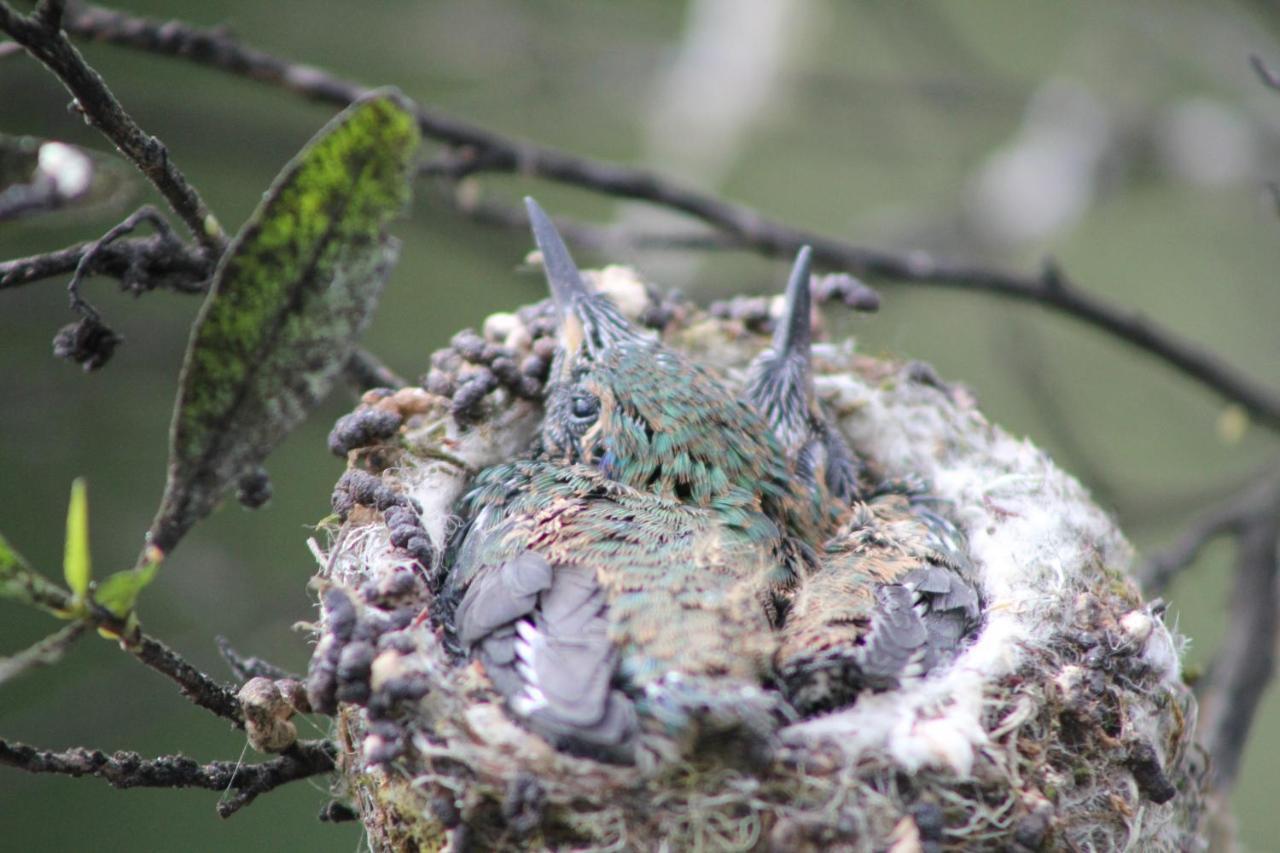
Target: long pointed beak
(585,318)
(794,333)
(567,286)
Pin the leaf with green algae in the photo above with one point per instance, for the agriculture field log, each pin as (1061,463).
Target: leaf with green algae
(294,290)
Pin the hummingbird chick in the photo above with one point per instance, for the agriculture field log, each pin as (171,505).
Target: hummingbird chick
(621,580)
(893,595)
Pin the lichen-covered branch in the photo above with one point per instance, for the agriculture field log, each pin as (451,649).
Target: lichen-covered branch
(130,770)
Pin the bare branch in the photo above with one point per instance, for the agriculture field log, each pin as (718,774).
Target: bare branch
(364,370)
(194,684)
(197,687)
(130,770)
(44,653)
(1268,77)
(1243,666)
(142,264)
(596,237)
(495,152)
(41,34)
(1228,516)
(246,668)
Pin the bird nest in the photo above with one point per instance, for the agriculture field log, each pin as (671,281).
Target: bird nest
(1064,724)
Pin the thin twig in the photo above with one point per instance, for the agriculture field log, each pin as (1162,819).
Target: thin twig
(44,653)
(246,668)
(194,684)
(142,263)
(1243,665)
(146,213)
(42,35)
(130,770)
(596,237)
(1228,516)
(1268,77)
(365,370)
(495,152)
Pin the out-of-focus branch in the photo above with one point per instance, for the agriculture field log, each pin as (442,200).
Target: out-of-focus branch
(489,151)
(1229,516)
(41,33)
(364,370)
(130,770)
(1243,666)
(599,238)
(194,684)
(141,263)
(1268,77)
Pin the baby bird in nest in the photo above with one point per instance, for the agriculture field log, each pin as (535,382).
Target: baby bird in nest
(624,579)
(893,594)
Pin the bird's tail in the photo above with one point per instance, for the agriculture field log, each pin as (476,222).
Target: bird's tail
(697,714)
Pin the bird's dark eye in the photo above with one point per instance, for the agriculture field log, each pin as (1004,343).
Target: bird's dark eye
(584,407)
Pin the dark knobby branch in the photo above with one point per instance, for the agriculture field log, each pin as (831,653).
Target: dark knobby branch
(42,35)
(130,770)
(199,688)
(141,264)
(246,668)
(1243,666)
(193,684)
(489,151)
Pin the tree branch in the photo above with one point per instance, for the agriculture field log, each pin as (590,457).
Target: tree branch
(1243,666)
(194,684)
(141,263)
(1229,516)
(199,688)
(130,770)
(494,152)
(41,34)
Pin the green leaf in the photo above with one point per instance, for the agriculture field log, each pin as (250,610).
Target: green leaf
(296,287)
(75,561)
(118,593)
(19,582)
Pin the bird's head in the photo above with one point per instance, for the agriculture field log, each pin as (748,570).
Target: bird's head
(780,387)
(641,412)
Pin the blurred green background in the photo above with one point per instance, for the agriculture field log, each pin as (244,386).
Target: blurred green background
(1131,141)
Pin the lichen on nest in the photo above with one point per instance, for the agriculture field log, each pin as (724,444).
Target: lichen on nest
(1065,724)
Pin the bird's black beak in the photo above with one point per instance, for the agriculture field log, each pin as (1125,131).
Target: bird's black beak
(794,333)
(587,320)
(780,380)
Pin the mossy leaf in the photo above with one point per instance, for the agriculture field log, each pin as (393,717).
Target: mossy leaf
(76,568)
(294,290)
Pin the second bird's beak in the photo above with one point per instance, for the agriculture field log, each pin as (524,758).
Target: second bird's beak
(793,336)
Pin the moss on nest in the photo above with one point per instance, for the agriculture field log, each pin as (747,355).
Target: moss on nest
(1065,725)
